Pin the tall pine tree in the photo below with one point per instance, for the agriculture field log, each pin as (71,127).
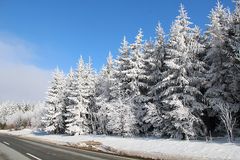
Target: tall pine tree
(54,119)
(179,96)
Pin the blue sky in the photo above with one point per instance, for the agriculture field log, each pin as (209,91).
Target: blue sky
(38,35)
(62,30)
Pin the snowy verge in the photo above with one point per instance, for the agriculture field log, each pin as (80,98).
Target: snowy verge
(142,147)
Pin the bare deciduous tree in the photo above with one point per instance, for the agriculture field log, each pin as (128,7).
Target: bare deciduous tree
(227,117)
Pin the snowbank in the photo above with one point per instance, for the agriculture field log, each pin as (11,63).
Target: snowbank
(146,147)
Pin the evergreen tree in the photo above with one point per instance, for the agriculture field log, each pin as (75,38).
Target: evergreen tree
(122,68)
(138,83)
(81,123)
(54,119)
(135,72)
(104,97)
(179,96)
(234,47)
(89,94)
(71,102)
(157,61)
(145,81)
(223,80)
(154,68)
(125,88)
(122,120)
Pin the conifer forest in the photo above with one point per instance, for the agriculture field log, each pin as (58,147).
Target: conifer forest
(184,84)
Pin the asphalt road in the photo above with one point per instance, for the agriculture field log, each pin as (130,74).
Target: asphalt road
(14,148)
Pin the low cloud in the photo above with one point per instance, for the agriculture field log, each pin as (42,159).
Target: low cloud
(20,80)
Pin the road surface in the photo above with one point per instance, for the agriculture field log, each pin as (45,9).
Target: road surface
(14,148)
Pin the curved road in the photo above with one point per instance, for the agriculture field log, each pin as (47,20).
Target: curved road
(14,148)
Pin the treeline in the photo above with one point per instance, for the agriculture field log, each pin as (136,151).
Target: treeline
(20,115)
(185,87)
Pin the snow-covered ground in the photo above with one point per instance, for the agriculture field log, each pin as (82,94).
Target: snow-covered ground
(147,147)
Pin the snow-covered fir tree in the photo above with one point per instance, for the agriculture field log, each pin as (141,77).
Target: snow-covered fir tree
(138,80)
(145,81)
(122,120)
(234,49)
(234,33)
(123,90)
(89,85)
(179,96)
(71,102)
(106,79)
(157,62)
(122,67)
(223,80)
(135,72)
(154,68)
(82,122)
(104,88)
(54,119)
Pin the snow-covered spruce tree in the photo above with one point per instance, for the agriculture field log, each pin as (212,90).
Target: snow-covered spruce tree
(82,119)
(90,84)
(145,80)
(223,79)
(104,97)
(157,59)
(122,67)
(234,32)
(71,102)
(122,93)
(127,67)
(54,119)
(216,56)
(233,43)
(106,79)
(154,68)
(138,81)
(181,97)
(121,118)
(136,66)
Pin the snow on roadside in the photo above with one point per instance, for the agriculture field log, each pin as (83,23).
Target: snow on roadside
(146,147)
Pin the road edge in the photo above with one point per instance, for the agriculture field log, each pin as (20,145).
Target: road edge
(111,151)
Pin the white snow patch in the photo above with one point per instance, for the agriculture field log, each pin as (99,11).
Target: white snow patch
(146,147)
